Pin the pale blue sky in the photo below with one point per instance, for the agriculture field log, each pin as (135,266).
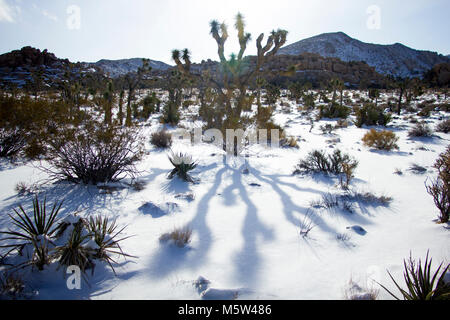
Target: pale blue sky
(115,29)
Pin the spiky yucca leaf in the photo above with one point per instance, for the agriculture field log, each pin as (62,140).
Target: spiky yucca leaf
(74,252)
(421,283)
(41,224)
(106,234)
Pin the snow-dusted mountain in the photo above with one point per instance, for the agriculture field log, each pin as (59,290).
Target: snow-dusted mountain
(116,68)
(396,59)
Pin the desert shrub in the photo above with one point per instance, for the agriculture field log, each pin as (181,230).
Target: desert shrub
(327,129)
(421,129)
(180,237)
(272,94)
(369,198)
(150,104)
(444,107)
(11,286)
(290,142)
(421,283)
(381,140)
(94,154)
(182,163)
(443,126)
(371,115)
(12,140)
(348,170)
(161,139)
(439,188)
(107,238)
(354,291)
(334,110)
(25,124)
(319,161)
(307,224)
(309,101)
(341,124)
(35,231)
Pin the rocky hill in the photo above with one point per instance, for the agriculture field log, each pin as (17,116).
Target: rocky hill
(117,68)
(396,59)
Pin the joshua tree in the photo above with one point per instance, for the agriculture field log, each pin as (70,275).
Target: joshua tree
(120,113)
(133,80)
(375,95)
(402,86)
(108,97)
(237,73)
(337,85)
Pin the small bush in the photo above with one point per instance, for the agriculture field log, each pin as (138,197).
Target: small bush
(183,163)
(307,223)
(370,115)
(11,286)
(12,141)
(381,140)
(421,283)
(333,111)
(354,291)
(161,139)
(421,129)
(443,126)
(439,188)
(319,161)
(180,237)
(93,154)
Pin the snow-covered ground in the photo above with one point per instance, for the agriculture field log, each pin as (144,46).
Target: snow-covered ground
(246,227)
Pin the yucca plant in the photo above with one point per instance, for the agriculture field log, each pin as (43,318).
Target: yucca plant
(74,252)
(421,283)
(106,234)
(36,230)
(183,163)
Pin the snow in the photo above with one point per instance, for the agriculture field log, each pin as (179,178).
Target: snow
(246,241)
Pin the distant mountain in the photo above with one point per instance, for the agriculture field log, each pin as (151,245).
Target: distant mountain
(396,59)
(117,68)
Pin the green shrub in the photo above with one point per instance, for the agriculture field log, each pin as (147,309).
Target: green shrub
(381,140)
(334,110)
(371,115)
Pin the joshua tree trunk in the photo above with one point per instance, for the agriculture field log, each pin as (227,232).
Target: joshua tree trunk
(120,113)
(399,106)
(128,117)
